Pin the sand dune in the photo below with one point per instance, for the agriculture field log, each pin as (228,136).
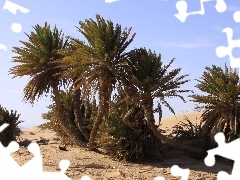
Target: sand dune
(169,122)
(173,120)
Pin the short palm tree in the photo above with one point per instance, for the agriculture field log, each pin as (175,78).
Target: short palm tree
(102,55)
(220,101)
(153,80)
(39,59)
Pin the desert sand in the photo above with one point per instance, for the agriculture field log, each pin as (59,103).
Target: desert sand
(99,166)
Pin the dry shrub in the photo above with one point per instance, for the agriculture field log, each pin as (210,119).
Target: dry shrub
(191,134)
(12,131)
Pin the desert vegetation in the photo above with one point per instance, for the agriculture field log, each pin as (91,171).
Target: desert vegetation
(12,132)
(103,93)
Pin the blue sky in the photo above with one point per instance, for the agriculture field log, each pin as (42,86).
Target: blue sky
(192,43)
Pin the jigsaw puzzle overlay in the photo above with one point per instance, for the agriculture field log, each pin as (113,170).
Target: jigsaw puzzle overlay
(177,171)
(222,51)
(228,150)
(111,1)
(182,7)
(34,170)
(15,27)
(220,7)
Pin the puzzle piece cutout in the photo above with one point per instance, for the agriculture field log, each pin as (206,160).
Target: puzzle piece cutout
(222,51)
(228,150)
(159,178)
(15,27)
(5,154)
(236,16)
(32,169)
(3,126)
(111,1)
(177,171)
(182,7)
(86,178)
(2,46)
(12,7)
(35,164)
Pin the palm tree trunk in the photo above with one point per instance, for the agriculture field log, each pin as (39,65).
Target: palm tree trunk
(131,111)
(232,123)
(78,114)
(102,111)
(95,129)
(147,105)
(237,121)
(159,114)
(70,131)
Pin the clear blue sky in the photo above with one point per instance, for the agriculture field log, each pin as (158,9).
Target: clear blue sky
(192,43)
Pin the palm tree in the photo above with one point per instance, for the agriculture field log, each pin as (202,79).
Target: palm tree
(220,101)
(39,59)
(153,80)
(51,116)
(71,61)
(102,55)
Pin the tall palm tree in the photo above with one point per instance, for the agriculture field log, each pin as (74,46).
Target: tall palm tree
(71,61)
(220,101)
(152,80)
(102,55)
(39,59)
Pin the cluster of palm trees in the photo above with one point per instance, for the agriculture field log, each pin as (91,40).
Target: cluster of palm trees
(221,102)
(100,65)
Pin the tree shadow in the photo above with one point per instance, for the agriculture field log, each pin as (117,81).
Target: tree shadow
(180,158)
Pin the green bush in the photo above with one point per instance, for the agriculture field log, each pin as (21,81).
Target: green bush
(52,118)
(12,131)
(130,139)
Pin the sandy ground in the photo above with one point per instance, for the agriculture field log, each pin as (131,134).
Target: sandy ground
(98,166)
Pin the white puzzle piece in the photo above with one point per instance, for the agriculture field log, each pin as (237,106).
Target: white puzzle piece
(228,150)
(222,51)
(177,171)
(182,7)
(32,169)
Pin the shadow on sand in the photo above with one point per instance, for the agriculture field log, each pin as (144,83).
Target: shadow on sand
(177,157)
